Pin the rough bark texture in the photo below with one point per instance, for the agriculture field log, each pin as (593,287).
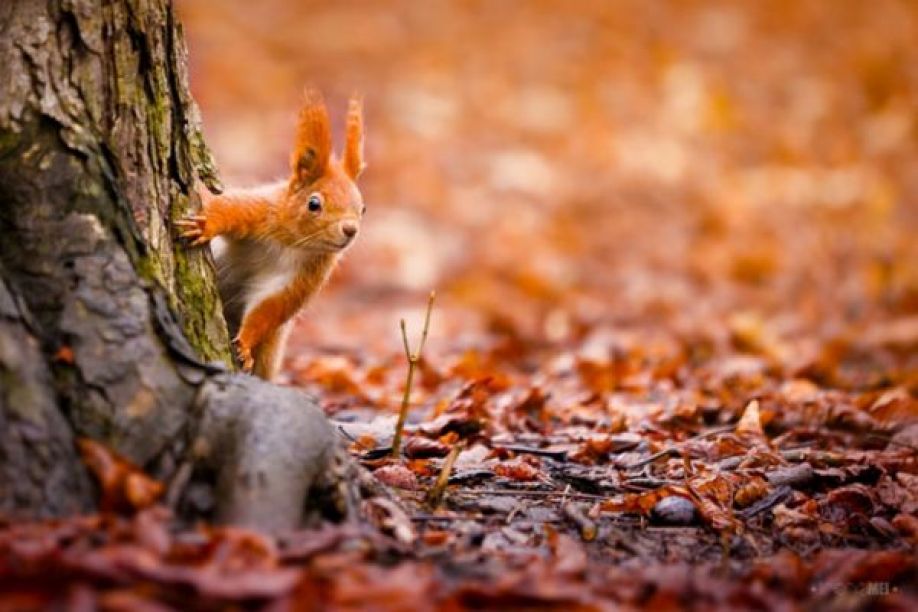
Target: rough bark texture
(39,468)
(108,328)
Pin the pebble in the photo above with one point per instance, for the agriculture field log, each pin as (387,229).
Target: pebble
(674,510)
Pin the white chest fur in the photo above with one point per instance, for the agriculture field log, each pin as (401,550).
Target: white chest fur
(277,275)
(249,272)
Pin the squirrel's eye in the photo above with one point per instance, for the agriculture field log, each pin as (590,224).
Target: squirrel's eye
(315,203)
(363,210)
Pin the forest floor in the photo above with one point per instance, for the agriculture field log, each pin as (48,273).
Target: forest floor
(675,338)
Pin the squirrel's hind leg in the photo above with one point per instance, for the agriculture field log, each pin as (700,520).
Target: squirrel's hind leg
(269,355)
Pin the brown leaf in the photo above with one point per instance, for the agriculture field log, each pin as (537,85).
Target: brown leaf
(750,424)
(516,470)
(901,493)
(334,374)
(907,524)
(531,409)
(841,504)
(714,497)
(418,447)
(643,503)
(895,406)
(124,486)
(433,537)
(569,555)
(398,476)
(751,491)
(461,423)
(389,516)
(593,449)
(64,355)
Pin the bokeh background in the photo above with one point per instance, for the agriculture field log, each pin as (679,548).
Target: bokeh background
(744,170)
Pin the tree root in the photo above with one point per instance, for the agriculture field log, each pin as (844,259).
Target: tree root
(265,456)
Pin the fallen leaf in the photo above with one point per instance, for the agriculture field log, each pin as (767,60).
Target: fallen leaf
(123,485)
(398,476)
(516,470)
(750,424)
(418,447)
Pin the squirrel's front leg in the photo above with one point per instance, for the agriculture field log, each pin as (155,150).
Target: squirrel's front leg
(196,229)
(234,215)
(260,324)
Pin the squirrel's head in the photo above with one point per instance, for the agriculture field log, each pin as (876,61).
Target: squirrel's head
(323,202)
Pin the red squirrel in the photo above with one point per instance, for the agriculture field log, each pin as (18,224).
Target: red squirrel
(276,245)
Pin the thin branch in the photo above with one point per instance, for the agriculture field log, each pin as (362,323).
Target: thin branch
(530,493)
(435,495)
(676,449)
(405,341)
(406,399)
(585,525)
(413,359)
(430,301)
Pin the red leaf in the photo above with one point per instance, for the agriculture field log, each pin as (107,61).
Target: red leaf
(516,470)
(397,476)
(125,487)
(418,447)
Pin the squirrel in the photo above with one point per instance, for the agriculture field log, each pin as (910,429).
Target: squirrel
(275,245)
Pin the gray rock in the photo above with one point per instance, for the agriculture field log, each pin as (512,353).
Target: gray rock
(674,510)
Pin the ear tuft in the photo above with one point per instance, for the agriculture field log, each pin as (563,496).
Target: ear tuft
(353,147)
(312,150)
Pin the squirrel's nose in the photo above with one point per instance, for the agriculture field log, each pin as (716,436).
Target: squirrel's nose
(349,228)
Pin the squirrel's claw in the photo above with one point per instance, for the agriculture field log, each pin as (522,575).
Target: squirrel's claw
(194,228)
(245,355)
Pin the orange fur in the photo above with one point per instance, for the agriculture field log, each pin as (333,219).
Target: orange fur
(269,354)
(353,149)
(312,150)
(279,248)
(265,318)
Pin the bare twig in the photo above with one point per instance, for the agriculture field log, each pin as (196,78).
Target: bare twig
(766,503)
(676,449)
(435,495)
(413,359)
(585,525)
(528,450)
(527,493)
(177,483)
(424,518)
(430,301)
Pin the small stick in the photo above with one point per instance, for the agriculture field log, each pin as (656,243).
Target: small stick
(567,490)
(423,518)
(584,524)
(413,359)
(435,495)
(526,493)
(528,450)
(888,438)
(178,483)
(724,551)
(676,449)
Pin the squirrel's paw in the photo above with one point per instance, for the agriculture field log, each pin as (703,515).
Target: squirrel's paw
(194,228)
(244,352)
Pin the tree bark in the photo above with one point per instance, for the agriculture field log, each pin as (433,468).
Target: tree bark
(108,327)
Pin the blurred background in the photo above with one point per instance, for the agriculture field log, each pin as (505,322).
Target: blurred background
(557,167)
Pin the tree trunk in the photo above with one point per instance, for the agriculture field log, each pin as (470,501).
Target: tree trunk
(108,327)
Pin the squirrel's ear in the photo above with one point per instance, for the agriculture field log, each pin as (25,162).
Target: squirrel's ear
(313,139)
(353,147)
